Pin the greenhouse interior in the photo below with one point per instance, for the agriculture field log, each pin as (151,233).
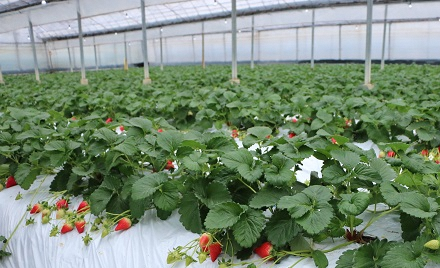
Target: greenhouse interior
(219,133)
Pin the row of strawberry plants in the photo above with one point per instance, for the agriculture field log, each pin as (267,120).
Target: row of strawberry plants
(401,104)
(242,199)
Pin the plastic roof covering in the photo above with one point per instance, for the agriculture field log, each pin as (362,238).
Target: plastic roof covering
(58,19)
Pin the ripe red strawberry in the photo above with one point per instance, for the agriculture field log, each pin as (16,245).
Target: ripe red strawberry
(334,141)
(292,134)
(204,241)
(67,227)
(294,120)
(234,133)
(268,136)
(437,161)
(214,250)
(123,224)
(10,182)
(80,225)
(36,208)
(169,165)
(391,154)
(73,118)
(121,128)
(83,206)
(264,250)
(160,130)
(109,120)
(62,203)
(425,152)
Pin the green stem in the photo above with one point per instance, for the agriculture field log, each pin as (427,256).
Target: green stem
(24,215)
(373,219)
(338,247)
(298,261)
(247,185)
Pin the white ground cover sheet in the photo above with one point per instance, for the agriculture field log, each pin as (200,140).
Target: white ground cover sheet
(145,244)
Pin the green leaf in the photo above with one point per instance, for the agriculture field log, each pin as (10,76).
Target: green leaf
(411,226)
(371,255)
(169,140)
(354,203)
(195,161)
(222,144)
(223,215)
(317,124)
(391,192)
(397,146)
(106,135)
(236,158)
(320,259)
(404,256)
(346,260)
(248,228)
(281,228)
(190,213)
(341,140)
(294,152)
(99,200)
(250,173)
(259,132)
(128,147)
(268,196)
(383,169)
(26,175)
(334,174)
(348,159)
(167,197)
(141,123)
(417,164)
(147,185)
(365,172)
(418,205)
(55,146)
(213,194)
(280,173)
(310,208)
(84,171)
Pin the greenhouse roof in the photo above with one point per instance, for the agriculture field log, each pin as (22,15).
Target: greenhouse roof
(57,19)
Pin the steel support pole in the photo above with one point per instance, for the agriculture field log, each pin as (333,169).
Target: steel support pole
(340,42)
(125,53)
(147,79)
(17,51)
(203,45)
(34,51)
(1,76)
(95,54)
(161,50)
(382,62)
(70,60)
(252,42)
(234,42)
(312,64)
(48,57)
(84,80)
(389,41)
(297,45)
(367,80)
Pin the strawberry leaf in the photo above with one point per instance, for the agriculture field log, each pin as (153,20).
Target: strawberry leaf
(407,255)
(334,174)
(242,161)
(292,151)
(281,228)
(142,123)
(223,215)
(99,199)
(320,259)
(354,203)
(26,175)
(190,213)
(280,173)
(212,194)
(310,208)
(107,135)
(371,255)
(128,147)
(148,185)
(346,260)
(392,192)
(418,205)
(248,228)
(221,143)
(348,159)
(267,196)
(167,198)
(411,226)
(259,132)
(417,164)
(169,140)
(383,169)
(195,161)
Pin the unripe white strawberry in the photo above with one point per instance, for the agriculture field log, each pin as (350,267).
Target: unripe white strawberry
(432,244)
